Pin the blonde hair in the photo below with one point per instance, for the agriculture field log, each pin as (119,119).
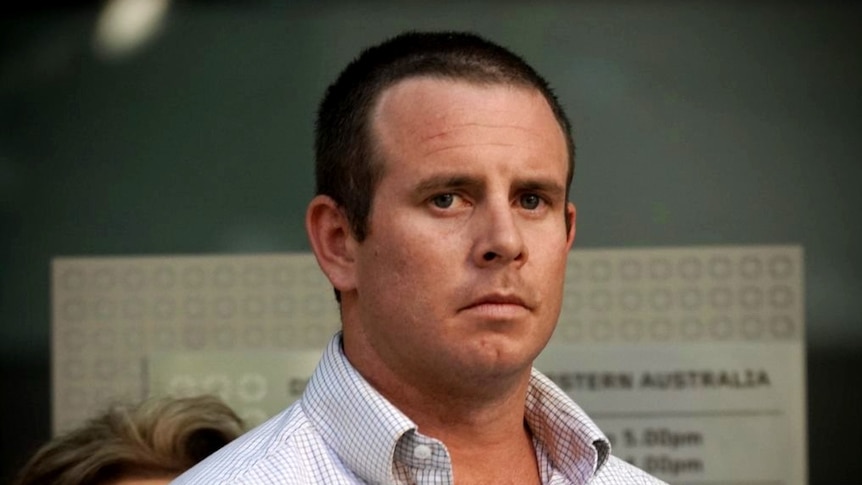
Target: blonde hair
(156,439)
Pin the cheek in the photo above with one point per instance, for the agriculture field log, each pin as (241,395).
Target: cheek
(396,266)
(416,269)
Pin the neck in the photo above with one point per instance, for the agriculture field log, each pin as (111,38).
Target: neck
(480,420)
(445,403)
(488,440)
(479,417)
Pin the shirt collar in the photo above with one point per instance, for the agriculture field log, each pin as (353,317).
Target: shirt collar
(358,423)
(575,445)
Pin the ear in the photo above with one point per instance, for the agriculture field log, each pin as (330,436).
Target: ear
(332,242)
(571,218)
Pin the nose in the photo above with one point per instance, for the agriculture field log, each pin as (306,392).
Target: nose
(498,238)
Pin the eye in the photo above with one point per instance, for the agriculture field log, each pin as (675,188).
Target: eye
(530,201)
(443,201)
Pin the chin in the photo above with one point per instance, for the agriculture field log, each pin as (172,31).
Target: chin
(504,356)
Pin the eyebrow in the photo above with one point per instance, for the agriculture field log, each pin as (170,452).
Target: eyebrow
(444,182)
(546,186)
(447,182)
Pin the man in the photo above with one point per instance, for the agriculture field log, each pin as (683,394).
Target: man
(442,221)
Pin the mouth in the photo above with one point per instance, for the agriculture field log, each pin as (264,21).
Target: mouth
(498,306)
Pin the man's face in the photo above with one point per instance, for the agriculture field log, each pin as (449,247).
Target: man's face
(461,274)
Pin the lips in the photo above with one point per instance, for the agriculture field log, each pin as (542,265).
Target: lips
(497,300)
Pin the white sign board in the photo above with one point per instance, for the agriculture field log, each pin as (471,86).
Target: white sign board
(690,359)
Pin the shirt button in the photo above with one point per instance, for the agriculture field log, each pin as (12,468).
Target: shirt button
(422,452)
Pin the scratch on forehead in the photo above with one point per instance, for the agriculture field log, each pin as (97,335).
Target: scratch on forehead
(433,139)
(446,133)
(433,150)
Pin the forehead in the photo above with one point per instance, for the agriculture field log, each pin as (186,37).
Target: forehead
(421,115)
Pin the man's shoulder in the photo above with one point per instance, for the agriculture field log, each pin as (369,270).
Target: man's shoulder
(277,451)
(618,472)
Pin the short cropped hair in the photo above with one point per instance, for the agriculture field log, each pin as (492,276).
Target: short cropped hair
(346,166)
(159,438)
